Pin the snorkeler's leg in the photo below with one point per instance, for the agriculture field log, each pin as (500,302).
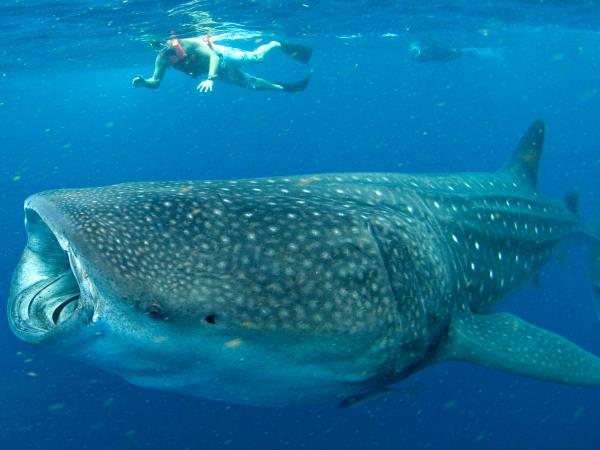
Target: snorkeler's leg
(260,52)
(242,79)
(247,81)
(261,84)
(301,53)
(265,85)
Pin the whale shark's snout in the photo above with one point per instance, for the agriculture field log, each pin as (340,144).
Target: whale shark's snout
(46,299)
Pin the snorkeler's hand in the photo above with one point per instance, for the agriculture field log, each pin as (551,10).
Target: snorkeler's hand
(205,86)
(138,81)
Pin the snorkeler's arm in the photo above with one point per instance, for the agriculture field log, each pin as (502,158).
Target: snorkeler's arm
(213,67)
(213,59)
(160,67)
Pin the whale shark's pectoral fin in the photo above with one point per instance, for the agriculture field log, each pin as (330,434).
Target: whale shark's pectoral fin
(505,342)
(359,399)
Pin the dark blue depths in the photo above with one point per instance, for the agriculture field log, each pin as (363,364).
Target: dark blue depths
(369,108)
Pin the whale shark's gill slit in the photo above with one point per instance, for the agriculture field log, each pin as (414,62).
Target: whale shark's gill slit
(63,311)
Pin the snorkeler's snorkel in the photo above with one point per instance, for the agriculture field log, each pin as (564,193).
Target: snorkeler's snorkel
(172,48)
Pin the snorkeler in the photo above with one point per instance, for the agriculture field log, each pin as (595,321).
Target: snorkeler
(434,52)
(201,57)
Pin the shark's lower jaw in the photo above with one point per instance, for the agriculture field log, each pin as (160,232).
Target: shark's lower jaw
(45,297)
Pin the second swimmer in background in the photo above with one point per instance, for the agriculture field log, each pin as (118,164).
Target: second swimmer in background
(432,52)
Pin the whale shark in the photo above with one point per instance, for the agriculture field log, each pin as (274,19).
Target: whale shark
(300,289)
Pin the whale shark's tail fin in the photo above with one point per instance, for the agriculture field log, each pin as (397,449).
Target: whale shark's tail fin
(505,342)
(525,160)
(594,266)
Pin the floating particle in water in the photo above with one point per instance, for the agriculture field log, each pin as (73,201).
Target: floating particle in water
(32,374)
(233,343)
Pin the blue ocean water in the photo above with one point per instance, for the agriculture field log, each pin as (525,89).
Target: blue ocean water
(70,118)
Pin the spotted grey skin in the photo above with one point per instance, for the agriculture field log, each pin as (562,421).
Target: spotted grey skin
(296,289)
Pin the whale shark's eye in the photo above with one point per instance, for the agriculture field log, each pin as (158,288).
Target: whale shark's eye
(212,319)
(154,311)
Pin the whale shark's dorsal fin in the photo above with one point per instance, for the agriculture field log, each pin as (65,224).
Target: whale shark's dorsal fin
(525,160)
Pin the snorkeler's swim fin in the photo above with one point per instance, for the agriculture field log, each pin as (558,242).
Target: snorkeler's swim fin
(299,52)
(295,86)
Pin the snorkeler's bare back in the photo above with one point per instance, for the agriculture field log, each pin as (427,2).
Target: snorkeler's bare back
(197,62)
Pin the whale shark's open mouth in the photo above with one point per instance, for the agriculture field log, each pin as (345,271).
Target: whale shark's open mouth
(45,293)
